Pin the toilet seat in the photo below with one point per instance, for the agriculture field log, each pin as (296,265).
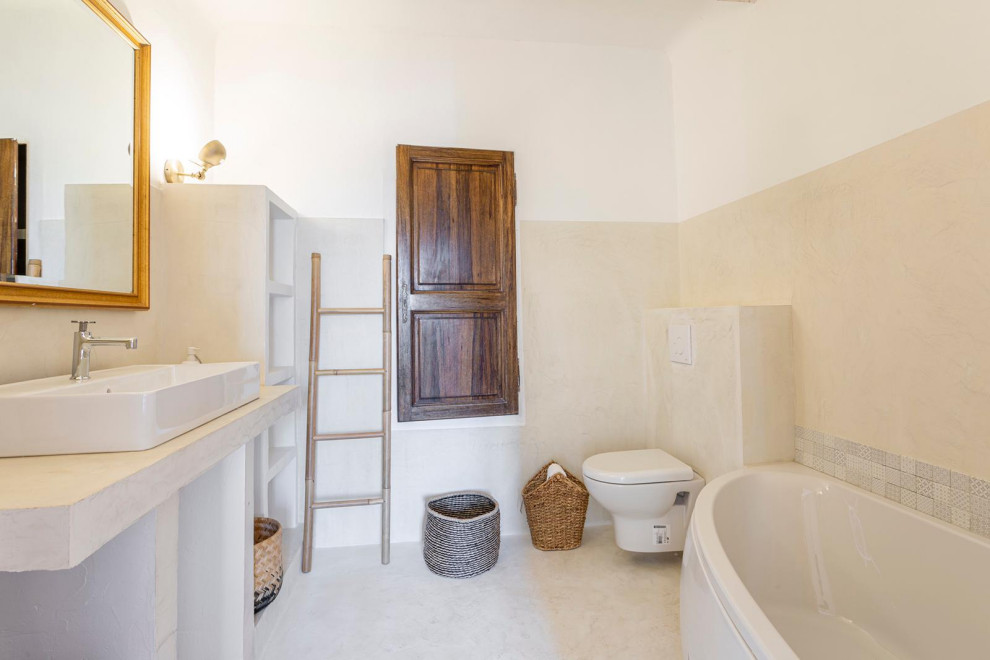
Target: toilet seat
(639,466)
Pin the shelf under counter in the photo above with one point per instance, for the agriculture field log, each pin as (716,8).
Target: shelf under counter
(55,511)
(278,459)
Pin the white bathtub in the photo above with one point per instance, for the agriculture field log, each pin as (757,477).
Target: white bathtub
(785,562)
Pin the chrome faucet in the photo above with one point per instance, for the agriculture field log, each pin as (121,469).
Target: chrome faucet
(83,343)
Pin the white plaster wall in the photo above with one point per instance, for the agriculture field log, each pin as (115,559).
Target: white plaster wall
(424,462)
(351,253)
(182,72)
(103,608)
(767,91)
(316,112)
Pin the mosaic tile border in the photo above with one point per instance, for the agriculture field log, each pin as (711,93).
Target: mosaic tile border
(953,497)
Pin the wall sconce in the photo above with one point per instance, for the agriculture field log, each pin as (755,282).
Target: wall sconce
(212,154)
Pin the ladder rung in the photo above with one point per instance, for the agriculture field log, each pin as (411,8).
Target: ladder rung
(350,372)
(348,436)
(351,310)
(337,504)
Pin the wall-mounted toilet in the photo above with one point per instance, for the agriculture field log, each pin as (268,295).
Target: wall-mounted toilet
(650,495)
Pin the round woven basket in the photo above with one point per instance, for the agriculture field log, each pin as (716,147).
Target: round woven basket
(462,534)
(555,510)
(267,561)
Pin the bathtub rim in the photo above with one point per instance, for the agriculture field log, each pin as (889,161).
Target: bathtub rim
(755,627)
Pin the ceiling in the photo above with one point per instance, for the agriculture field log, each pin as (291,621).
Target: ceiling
(632,23)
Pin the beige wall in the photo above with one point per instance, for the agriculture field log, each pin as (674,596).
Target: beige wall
(585,289)
(734,405)
(884,258)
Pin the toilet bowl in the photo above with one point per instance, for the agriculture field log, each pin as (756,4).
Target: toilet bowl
(650,495)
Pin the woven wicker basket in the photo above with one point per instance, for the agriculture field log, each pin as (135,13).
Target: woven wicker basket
(267,561)
(462,534)
(555,510)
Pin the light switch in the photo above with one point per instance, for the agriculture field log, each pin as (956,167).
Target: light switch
(679,342)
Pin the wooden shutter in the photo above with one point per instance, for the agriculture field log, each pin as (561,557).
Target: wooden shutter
(8,208)
(455,266)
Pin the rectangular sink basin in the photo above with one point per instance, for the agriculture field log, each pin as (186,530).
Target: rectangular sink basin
(124,409)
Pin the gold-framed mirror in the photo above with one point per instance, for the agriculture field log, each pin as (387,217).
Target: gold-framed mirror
(74,155)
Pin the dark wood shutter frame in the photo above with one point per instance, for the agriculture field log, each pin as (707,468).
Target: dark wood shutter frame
(456,283)
(8,208)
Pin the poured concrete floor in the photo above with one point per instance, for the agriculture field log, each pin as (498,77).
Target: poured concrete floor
(593,602)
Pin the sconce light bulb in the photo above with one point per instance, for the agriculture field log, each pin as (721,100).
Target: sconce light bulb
(212,154)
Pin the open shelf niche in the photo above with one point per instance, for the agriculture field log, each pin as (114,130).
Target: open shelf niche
(241,241)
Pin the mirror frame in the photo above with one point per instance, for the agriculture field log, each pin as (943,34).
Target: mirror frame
(140,295)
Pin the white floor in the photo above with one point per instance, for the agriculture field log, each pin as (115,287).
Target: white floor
(593,602)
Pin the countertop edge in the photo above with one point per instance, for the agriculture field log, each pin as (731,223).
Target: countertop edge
(61,536)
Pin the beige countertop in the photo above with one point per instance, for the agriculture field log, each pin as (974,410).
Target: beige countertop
(57,510)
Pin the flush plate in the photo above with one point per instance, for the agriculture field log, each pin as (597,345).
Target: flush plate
(679,343)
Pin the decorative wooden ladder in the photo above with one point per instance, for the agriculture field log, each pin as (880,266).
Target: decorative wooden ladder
(312,437)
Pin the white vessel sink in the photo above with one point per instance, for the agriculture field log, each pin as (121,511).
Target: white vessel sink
(125,409)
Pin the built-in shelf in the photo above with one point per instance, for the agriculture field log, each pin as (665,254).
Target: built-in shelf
(278,459)
(276,479)
(280,289)
(275,476)
(265,620)
(277,375)
(259,229)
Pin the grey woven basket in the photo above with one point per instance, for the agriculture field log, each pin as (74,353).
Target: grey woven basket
(462,534)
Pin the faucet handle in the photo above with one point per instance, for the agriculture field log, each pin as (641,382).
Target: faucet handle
(82,324)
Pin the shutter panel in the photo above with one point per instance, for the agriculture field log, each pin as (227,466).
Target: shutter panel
(455,266)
